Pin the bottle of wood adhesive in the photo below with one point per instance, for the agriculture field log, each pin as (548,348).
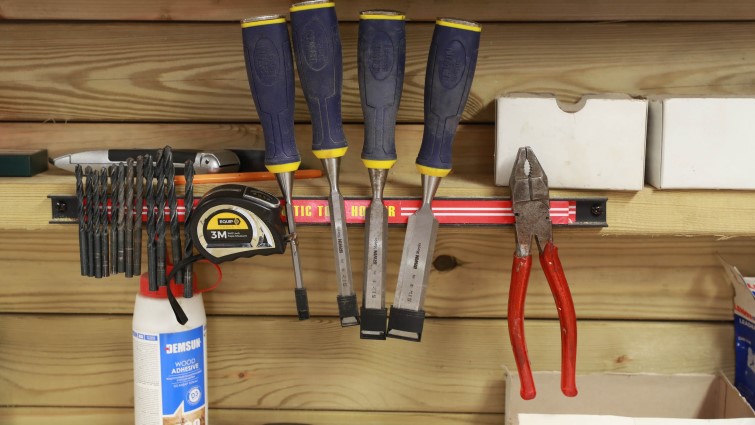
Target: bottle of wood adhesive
(170,359)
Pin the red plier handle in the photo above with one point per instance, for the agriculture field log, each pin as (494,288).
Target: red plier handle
(554,273)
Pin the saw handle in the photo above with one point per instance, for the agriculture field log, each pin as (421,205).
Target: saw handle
(270,70)
(450,70)
(317,46)
(381,55)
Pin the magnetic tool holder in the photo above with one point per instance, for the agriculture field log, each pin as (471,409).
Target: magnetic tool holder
(584,212)
(490,212)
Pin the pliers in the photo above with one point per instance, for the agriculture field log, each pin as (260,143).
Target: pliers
(531,205)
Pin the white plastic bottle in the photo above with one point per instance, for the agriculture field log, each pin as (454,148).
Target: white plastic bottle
(170,359)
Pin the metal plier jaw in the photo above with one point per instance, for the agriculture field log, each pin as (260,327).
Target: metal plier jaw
(531,205)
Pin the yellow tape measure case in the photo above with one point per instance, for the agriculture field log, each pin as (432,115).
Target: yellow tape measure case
(235,221)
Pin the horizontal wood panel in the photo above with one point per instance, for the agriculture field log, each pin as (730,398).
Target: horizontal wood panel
(473,162)
(195,72)
(125,416)
(275,363)
(648,212)
(610,278)
(481,10)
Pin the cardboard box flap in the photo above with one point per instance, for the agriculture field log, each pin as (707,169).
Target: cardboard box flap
(744,292)
(572,107)
(735,406)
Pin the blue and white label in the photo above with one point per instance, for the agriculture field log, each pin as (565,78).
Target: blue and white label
(145,337)
(170,378)
(744,379)
(182,371)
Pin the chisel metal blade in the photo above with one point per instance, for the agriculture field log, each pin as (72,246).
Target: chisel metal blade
(419,245)
(373,311)
(286,183)
(346,295)
(298,280)
(340,243)
(347,304)
(377,250)
(407,315)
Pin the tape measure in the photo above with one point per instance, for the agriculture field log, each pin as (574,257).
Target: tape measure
(229,222)
(235,221)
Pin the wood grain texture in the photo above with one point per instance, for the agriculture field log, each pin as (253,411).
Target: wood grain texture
(281,363)
(418,10)
(125,416)
(610,278)
(472,161)
(647,212)
(194,72)
(265,366)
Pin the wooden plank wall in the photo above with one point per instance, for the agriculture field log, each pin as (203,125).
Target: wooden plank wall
(83,74)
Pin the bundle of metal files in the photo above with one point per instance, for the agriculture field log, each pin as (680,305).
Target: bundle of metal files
(111,216)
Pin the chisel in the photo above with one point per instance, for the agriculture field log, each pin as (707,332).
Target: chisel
(381,55)
(270,70)
(317,46)
(448,78)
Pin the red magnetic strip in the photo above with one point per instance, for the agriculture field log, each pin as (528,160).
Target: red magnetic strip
(447,211)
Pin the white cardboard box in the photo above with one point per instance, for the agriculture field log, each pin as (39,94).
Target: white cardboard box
(614,397)
(701,143)
(598,143)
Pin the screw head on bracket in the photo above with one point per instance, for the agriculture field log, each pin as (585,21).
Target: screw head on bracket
(61,207)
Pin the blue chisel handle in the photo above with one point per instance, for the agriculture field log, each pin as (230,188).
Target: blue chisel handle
(270,70)
(317,47)
(381,55)
(450,70)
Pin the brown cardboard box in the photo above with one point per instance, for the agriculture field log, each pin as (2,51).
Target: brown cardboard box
(631,395)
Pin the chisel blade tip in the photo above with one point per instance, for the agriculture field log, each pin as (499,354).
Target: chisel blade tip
(416,259)
(347,310)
